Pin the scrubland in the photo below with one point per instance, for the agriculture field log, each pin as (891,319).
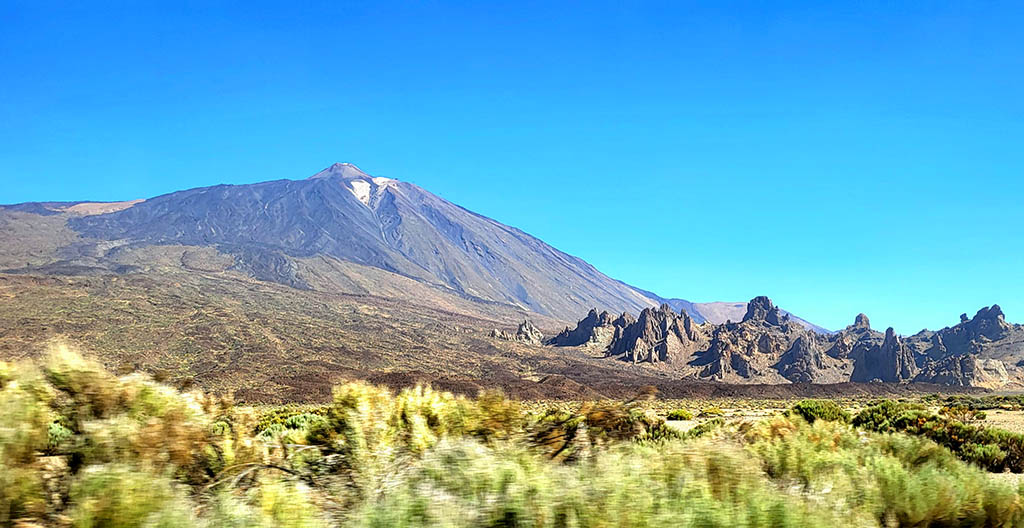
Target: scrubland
(82,447)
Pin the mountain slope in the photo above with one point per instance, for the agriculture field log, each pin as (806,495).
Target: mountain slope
(344,214)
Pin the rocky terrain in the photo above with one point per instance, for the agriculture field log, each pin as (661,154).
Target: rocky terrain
(276,290)
(769,346)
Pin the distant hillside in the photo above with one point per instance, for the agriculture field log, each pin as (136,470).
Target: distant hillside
(277,230)
(720,312)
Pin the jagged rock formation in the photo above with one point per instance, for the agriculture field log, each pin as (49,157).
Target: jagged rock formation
(805,362)
(593,328)
(722,312)
(767,346)
(762,309)
(525,333)
(983,350)
(657,336)
(891,361)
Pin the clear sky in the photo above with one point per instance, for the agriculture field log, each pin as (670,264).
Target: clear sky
(847,157)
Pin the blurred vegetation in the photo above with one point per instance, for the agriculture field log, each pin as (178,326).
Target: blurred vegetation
(991,448)
(679,414)
(711,412)
(81,447)
(812,410)
(1013,402)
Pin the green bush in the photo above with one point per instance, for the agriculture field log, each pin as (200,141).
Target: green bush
(466,484)
(902,480)
(880,417)
(704,428)
(812,410)
(993,449)
(272,503)
(86,449)
(121,496)
(711,412)
(24,421)
(680,414)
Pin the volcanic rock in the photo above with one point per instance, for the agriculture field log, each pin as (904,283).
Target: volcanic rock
(526,333)
(892,361)
(762,309)
(657,336)
(591,329)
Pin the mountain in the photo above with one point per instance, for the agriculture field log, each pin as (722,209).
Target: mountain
(767,345)
(323,233)
(276,290)
(296,233)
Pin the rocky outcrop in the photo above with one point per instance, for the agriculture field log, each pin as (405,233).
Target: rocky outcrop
(892,361)
(988,324)
(805,362)
(762,309)
(657,336)
(525,333)
(593,328)
(769,347)
(965,371)
(972,352)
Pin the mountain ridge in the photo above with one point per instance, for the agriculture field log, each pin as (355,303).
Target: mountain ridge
(344,213)
(377,218)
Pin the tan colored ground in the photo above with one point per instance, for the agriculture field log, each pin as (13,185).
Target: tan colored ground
(96,208)
(1010,420)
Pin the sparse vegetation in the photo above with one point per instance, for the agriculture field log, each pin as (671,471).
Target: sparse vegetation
(711,412)
(679,414)
(812,410)
(990,448)
(82,447)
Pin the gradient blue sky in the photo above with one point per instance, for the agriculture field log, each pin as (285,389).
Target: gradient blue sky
(847,157)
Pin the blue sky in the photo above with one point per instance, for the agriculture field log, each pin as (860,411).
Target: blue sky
(847,157)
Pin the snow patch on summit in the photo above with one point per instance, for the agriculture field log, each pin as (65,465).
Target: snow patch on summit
(361,189)
(368,190)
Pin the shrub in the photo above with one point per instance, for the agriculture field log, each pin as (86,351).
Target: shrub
(680,414)
(962,413)
(812,410)
(24,421)
(990,448)
(880,416)
(272,503)
(903,480)
(83,448)
(711,412)
(466,484)
(121,496)
(704,428)
(288,417)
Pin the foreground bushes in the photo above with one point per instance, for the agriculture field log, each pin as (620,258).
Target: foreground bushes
(812,410)
(464,484)
(992,449)
(900,480)
(84,448)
